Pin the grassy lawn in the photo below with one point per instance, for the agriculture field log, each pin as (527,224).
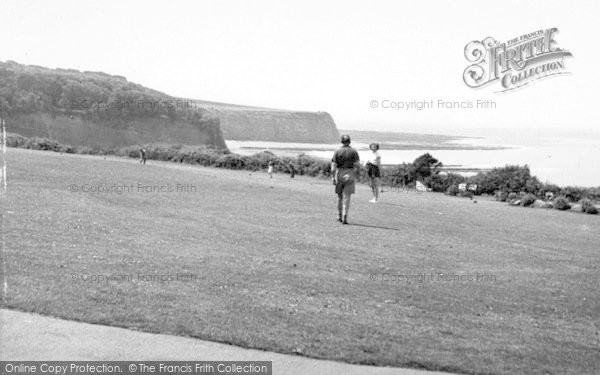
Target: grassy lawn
(262,263)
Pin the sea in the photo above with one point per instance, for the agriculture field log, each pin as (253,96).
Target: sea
(565,161)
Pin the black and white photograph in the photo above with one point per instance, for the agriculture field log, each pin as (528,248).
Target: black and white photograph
(387,187)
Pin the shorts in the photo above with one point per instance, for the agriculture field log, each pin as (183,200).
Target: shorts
(345,186)
(373,171)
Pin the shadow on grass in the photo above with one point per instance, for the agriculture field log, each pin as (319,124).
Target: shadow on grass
(391,204)
(372,226)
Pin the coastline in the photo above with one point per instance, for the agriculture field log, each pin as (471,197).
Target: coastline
(558,160)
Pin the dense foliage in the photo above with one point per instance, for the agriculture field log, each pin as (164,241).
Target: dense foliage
(27,89)
(511,178)
(588,206)
(562,203)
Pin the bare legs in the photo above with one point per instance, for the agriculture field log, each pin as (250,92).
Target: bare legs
(343,206)
(374,183)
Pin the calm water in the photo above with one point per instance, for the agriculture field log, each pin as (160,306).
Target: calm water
(563,161)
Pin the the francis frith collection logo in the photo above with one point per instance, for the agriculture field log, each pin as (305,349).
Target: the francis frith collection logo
(515,63)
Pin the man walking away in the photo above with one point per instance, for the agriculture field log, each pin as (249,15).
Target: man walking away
(345,165)
(142,156)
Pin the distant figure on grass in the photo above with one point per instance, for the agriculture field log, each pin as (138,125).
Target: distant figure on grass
(373,165)
(270,168)
(142,156)
(345,165)
(292,171)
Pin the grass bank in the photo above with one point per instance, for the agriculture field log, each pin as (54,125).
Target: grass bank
(419,280)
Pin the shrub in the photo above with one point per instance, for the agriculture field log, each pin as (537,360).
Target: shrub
(528,200)
(548,188)
(68,149)
(205,158)
(452,190)
(129,151)
(501,195)
(15,140)
(562,203)
(509,178)
(573,193)
(593,194)
(162,151)
(588,206)
(319,168)
(512,196)
(232,161)
(440,182)
(84,150)
(466,194)
(44,144)
(262,158)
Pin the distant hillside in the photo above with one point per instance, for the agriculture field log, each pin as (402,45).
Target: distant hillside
(98,110)
(243,123)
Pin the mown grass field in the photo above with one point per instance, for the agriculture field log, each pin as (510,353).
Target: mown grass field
(268,267)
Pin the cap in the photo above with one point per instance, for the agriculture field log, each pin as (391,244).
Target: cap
(345,138)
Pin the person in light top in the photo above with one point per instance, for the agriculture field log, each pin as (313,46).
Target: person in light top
(373,165)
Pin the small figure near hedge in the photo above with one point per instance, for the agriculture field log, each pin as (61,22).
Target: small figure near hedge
(270,165)
(142,156)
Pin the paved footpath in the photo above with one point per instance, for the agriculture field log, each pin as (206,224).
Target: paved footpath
(26,336)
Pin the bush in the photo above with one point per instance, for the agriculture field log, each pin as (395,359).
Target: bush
(261,159)
(593,194)
(548,188)
(562,203)
(528,200)
(68,149)
(232,161)
(509,178)
(161,151)
(16,140)
(466,194)
(452,190)
(573,193)
(501,195)
(512,196)
(440,182)
(319,168)
(588,206)
(84,150)
(43,144)
(203,156)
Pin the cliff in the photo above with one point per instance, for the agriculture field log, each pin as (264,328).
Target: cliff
(244,123)
(107,111)
(98,110)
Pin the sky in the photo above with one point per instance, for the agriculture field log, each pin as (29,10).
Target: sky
(333,56)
